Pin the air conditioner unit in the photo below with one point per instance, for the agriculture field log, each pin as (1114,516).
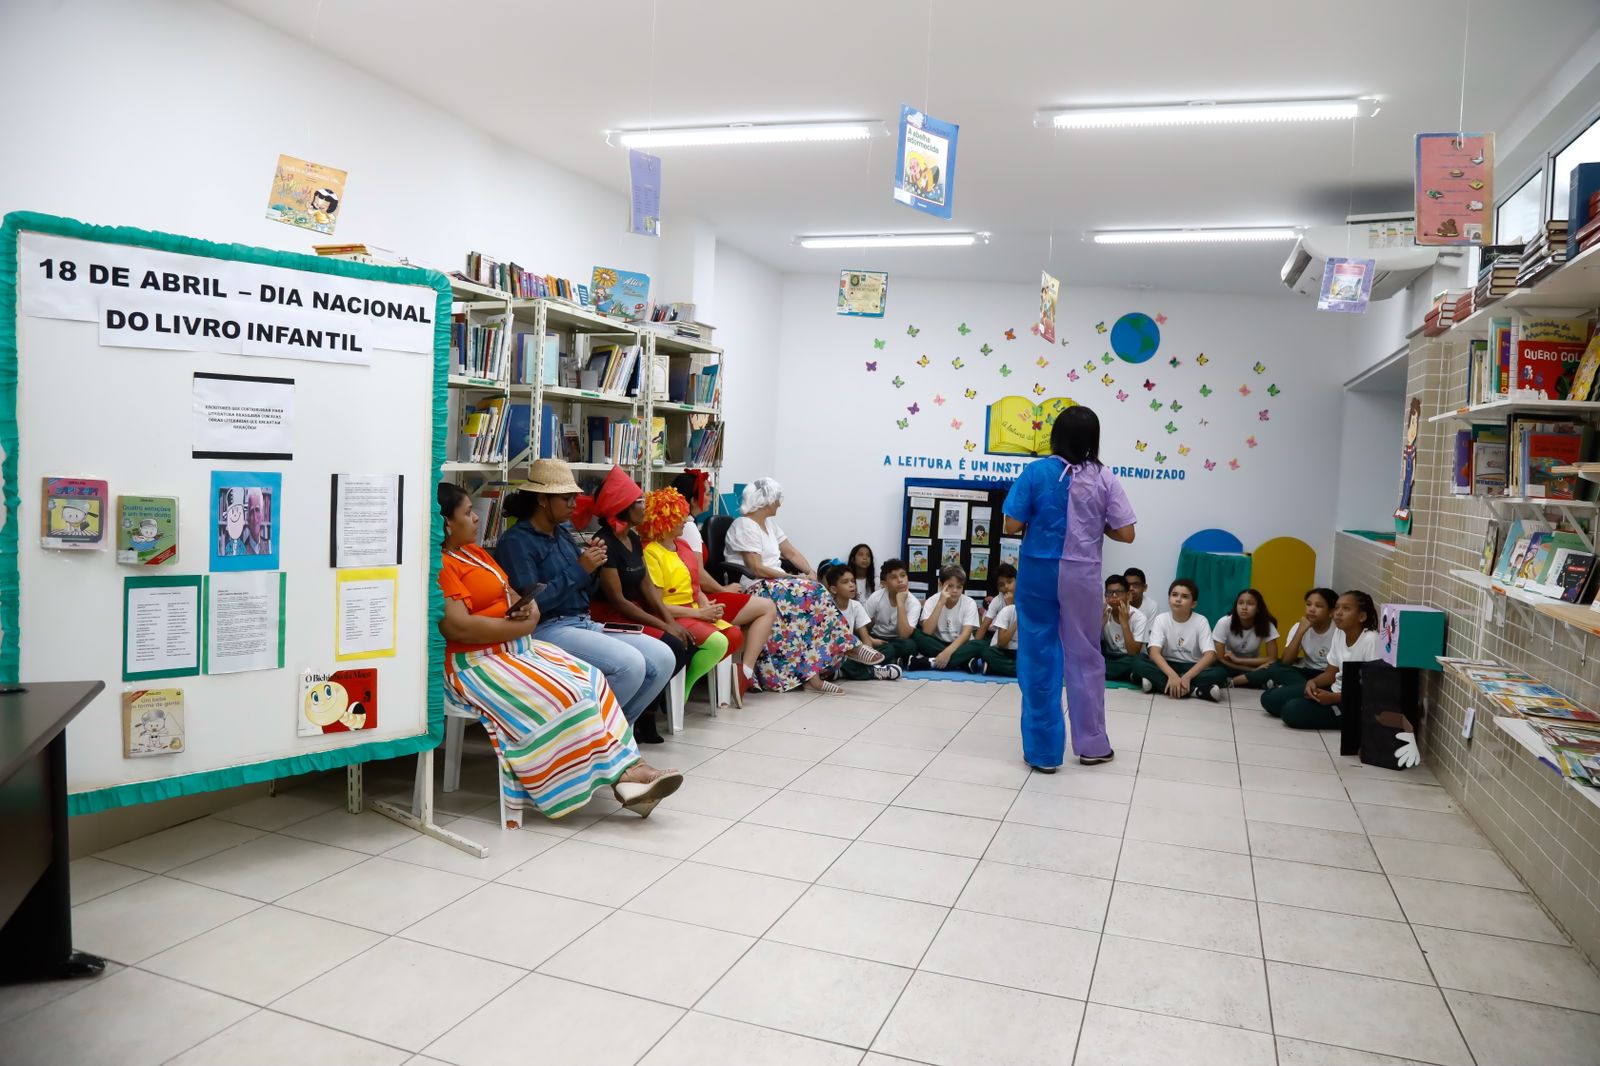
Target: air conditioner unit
(1388,240)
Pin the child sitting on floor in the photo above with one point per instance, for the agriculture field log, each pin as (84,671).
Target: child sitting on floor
(998,654)
(1247,639)
(1316,706)
(1180,649)
(1006,584)
(1123,630)
(949,618)
(894,612)
(1145,605)
(841,583)
(1305,649)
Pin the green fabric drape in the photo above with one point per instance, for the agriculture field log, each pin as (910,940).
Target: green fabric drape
(1221,577)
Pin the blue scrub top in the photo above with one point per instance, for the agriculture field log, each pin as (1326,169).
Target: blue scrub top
(1038,498)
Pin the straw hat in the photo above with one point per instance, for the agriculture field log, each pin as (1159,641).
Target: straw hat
(551,476)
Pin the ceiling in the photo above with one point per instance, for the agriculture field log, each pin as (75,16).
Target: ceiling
(989,67)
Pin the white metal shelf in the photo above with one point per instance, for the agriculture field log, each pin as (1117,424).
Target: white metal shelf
(563,392)
(454,467)
(1500,410)
(463,381)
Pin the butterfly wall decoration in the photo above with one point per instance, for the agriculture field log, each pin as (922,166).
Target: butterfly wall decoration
(1122,397)
(1107,379)
(1155,405)
(969,446)
(1108,359)
(1041,362)
(1273,390)
(1244,390)
(955,423)
(938,400)
(1171,427)
(1250,442)
(1160,458)
(1205,390)
(985,350)
(1260,368)
(1099,327)
(957,363)
(912,331)
(1072,375)
(872,366)
(1011,334)
(898,382)
(962,329)
(1005,371)
(1088,366)
(1210,464)
(1201,359)
(1175,405)
(1161,319)
(924,361)
(903,423)
(1149,386)
(1233,464)
(1265,415)
(971,394)
(915,408)
(1183,449)
(878,343)
(1139,445)
(1038,390)
(1174,362)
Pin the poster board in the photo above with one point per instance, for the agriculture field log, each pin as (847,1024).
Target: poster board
(77,396)
(933,504)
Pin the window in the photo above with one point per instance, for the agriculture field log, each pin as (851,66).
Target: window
(1584,148)
(1516,220)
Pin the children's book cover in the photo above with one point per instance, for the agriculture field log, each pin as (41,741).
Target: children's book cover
(921,522)
(337,701)
(1016,425)
(74,513)
(1010,549)
(980,567)
(925,167)
(1549,354)
(917,555)
(1454,182)
(1049,294)
(152,722)
(147,530)
(305,194)
(1583,380)
(949,553)
(621,294)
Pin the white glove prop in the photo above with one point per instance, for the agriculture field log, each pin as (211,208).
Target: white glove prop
(1408,754)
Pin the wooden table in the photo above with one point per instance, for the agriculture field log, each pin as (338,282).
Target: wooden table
(35,893)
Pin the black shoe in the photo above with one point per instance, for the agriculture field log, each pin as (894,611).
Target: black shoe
(645,731)
(977,666)
(919,662)
(1096,760)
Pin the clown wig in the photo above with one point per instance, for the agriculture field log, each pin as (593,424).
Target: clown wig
(664,512)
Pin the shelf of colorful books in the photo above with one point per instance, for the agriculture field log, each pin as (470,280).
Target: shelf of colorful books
(684,408)
(453,467)
(1500,410)
(470,291)
(1523,733)
(1587,471)
(559,392)
(674,345)
(1575,285)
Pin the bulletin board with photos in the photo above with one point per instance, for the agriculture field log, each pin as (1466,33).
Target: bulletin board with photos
(945,522)
(213,518)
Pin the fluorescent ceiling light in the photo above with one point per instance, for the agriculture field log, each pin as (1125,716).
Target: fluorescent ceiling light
(895,240)
(1209,113)
(1197,236)
(746,133)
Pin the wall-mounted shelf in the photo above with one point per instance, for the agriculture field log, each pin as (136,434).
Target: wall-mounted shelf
(1500,410)
(1520,731)
(1587,471)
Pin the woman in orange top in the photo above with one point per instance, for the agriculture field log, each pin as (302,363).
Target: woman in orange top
(558,731)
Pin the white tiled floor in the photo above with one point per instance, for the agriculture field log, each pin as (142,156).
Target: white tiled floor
(861,881)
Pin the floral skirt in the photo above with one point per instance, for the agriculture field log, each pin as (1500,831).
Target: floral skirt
(558,731)
(809,637)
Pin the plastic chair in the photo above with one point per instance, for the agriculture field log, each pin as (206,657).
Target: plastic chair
(455,728)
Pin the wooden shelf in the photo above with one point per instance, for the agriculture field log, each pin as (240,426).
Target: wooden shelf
(1587,471)
(1578,616)
(1500,410)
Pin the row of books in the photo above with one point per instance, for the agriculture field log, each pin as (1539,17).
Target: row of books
(1544,254)
(1570,730)
(1449,307)
(705,444)
(1536,447)
(476,350)
(525,358)
(1497,273)
(488,503)
(1541,559)
(521,283)
(1480,461)
(1588,235)
(483,431)
(1555,357)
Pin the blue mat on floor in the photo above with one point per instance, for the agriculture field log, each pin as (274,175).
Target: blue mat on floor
(985,679)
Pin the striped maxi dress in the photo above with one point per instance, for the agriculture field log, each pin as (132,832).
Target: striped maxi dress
(556,727)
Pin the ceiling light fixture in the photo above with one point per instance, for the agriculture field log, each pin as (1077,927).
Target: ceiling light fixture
(746,133)
(1209,113)
(1197,236)
(894,240)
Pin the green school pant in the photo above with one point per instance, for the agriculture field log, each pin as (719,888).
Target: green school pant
(1301,713)
(1281,675)
(930,645)
(1145,669)
(897,649)
(1119,665)
(1002,661)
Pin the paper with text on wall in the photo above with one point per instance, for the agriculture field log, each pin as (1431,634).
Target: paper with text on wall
(161,627)
(366,612)
(242,417)
(244,621)
(145,298)
(367,511)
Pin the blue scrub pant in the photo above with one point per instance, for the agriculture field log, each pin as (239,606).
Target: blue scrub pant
(1059,605)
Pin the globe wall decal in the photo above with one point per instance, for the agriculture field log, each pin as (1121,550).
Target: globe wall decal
(1135,337)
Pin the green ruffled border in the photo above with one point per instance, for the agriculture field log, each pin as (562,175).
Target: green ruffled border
(10,642)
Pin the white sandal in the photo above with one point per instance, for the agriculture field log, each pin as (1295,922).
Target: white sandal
(862,653)
(641,797)
(827,688)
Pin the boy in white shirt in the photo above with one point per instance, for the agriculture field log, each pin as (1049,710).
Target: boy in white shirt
(1137,587)
(894,613)
(841,583)
(1180,649)
(949,618)
(1006,593)
(998,654)
(1122,630)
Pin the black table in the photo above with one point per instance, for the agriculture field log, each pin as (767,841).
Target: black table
(35,894)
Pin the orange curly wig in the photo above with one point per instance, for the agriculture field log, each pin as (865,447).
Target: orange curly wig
(664,511)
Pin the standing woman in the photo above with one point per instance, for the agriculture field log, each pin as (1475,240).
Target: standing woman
(1064,506)
(558,732)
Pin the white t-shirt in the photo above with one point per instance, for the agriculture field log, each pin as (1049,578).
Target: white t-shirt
(1150,609)
(1136,622)
(886,616)
(1365,650)
(1002,622)
(951,619)
(745,535)
(1314,648)
(691,536)
(1186,641)
(1245,645)
(855,615)
(992,611)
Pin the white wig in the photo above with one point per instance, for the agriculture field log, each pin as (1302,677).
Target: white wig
(762,492)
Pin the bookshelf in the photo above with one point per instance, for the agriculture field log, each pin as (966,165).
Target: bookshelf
(691,368)
(483,471)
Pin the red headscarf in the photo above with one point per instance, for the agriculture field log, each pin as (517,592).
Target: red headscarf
(617,493)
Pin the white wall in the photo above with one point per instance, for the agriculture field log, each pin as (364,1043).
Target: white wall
(745,312)
(837,422)
(1372,425)
(170,115)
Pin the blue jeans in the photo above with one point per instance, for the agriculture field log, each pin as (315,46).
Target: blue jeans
(637,665)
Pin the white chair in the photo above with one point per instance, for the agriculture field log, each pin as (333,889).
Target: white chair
(455,728)
(675,697)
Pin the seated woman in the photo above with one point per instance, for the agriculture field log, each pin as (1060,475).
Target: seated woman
(542,559)
(745,622)
(556,727)
(810,636)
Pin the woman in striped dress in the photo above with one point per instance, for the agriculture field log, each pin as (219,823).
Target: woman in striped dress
(559,733)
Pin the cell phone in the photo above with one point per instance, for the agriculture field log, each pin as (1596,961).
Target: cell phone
(623,627)
(520,604)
